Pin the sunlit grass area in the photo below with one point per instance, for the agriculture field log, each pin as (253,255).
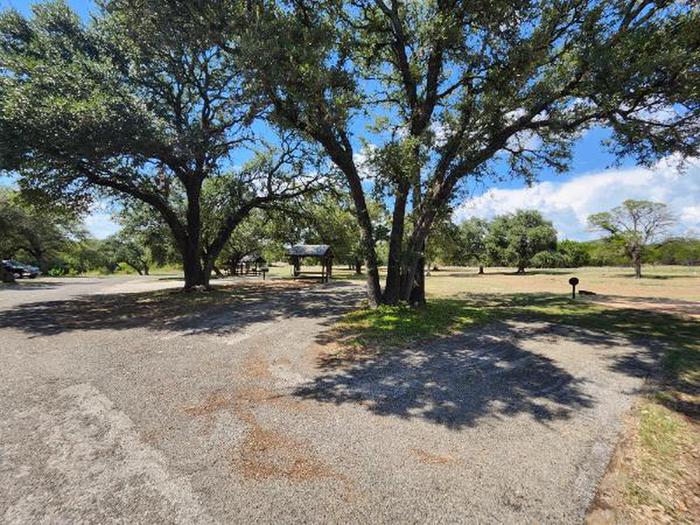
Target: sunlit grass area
(389,326)
(672,282)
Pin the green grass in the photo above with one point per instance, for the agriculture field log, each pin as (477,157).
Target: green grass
(390,326)
(661,433)
(660,465)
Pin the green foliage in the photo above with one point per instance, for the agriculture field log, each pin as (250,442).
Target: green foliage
(329,219)
(574,253)
(472,241)
(139,225)
(568,254)
(444,244)
(515,238)
(684,251)
(452,89)
(122,248)
(87,255)
(634,224)
(141,103)
(35,233)
(549,259)
(152,99)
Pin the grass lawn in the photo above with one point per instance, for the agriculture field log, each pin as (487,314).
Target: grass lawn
(658,476)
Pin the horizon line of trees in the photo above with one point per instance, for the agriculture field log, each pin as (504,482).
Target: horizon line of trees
(54,239)
(636,233)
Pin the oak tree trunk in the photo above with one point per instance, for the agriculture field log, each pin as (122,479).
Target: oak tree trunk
(637,262)
(393,278)
(196,273)
(358,266)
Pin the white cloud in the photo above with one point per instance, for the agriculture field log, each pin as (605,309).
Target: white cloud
(568,204)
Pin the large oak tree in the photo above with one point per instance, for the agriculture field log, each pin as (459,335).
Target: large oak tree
(448,91)
(141,102)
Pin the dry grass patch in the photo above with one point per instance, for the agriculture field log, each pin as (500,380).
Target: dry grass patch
(654,475)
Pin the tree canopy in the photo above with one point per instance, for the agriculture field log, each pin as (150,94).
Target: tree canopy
(635,223)
(514,239)
(409,101)
(454,89)
(35,233)
(141,102)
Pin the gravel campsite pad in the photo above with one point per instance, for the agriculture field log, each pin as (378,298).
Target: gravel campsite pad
(140,411)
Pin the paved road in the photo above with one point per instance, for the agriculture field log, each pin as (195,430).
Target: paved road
(116,407)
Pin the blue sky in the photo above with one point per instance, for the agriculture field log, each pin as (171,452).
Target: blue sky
(591,185)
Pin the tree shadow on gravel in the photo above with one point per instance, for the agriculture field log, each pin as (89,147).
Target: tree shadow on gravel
(224,310)
(459,373)
(454,381)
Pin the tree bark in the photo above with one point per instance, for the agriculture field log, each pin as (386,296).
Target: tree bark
(136,267)
(417,297)
(342,157)
(413,278)
(196,273)
(398,220)
(358,266)
(637,262)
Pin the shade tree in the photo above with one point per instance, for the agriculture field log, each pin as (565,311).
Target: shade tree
(141,103)
(460,91)
(123,248)
(34,232)
(634,224)
(472,235)
(514,239)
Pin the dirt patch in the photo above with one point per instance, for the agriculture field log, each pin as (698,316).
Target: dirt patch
(428,458)
(686,309)
(257,367)
(337,352)
(267,453)
(213,403)
(255,396)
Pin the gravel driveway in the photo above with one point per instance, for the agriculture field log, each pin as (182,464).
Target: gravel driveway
(115,411)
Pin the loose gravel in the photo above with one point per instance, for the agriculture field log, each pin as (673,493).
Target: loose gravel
(228,415)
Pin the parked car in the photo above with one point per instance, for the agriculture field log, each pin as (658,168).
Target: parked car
(31,271)
(19,270)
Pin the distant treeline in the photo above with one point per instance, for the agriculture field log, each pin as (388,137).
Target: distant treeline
(525,239)
(602,252)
